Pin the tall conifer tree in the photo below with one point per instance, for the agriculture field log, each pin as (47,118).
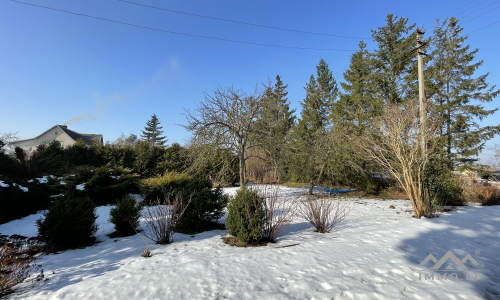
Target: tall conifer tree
(357,104)
(152,133)
(314,123)
(459,95)
(275,121)
(393,58)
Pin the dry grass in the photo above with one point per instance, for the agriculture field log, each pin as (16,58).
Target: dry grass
(234,241)
(474,191)
(17,263)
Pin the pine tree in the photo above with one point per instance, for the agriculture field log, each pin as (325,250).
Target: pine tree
(152,133)
(275,121)
(454,89)
(393,59)
(357,103)
(311,130)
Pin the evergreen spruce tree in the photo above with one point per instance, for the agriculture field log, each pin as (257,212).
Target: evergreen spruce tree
(459,95)
(357,104)
(275,121)
(310,133)
(152,133)
(393,59)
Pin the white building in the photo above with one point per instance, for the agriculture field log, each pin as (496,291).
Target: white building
(59,133)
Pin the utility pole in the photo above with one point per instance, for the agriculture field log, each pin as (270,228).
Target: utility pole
(421,90)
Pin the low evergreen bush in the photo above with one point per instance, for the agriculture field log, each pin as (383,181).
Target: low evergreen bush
(125,216)
(161,187)
(104,185)
(17,203)
(69,222)
(246,216)
(206,207)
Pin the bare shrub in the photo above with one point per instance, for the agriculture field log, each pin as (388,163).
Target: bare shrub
(279,213)
(17,263)
(324,212)
(401,148)
(484,193)
(162,218)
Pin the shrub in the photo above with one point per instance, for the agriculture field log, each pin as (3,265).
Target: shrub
(167,185)
(69,222)
(440,186)
(162,218)
(106,185)
(323,212)
(476,192)
(17,203)
(246,216)
(17,263)
(279,213)
(207,205)
(125,216)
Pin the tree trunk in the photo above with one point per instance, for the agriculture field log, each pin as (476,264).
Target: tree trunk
(311,185)
(242,170)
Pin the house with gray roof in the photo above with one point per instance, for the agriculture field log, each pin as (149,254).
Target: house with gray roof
(59,133)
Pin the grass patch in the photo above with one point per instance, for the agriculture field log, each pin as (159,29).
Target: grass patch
(233,241)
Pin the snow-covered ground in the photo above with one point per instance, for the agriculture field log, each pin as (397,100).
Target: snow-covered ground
(375,254)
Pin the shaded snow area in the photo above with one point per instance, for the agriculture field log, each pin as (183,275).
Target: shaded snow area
(3,184)
(80,187)
(375,254)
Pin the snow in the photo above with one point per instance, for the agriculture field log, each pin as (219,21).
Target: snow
(62,182)
(374,254)
(24,189)
(80,187)
(44,179)
(3,184)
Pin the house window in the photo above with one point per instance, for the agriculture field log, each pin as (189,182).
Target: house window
(56,132)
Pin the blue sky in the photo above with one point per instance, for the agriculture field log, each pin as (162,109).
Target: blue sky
(56,66)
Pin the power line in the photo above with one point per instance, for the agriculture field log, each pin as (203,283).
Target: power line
(480,9)
(481,14)
(483,27)
(452,11)
(181,33)
(245,23)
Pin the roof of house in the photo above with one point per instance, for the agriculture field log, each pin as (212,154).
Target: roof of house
(88,138)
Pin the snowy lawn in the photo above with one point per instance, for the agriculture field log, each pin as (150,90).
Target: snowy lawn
(374,254)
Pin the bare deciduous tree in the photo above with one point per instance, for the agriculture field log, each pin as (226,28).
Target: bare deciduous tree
(227,119)
(395,146)
(6,141)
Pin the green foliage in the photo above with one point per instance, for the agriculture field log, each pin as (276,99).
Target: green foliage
(125,216)
(206,207)
(392,61)
(167,185)
(246,216)
(17,204)
(440,186)
(152,133)
(459,96)
(106,185)
(69,222)
(310,133)
(24,166)
(358,103)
